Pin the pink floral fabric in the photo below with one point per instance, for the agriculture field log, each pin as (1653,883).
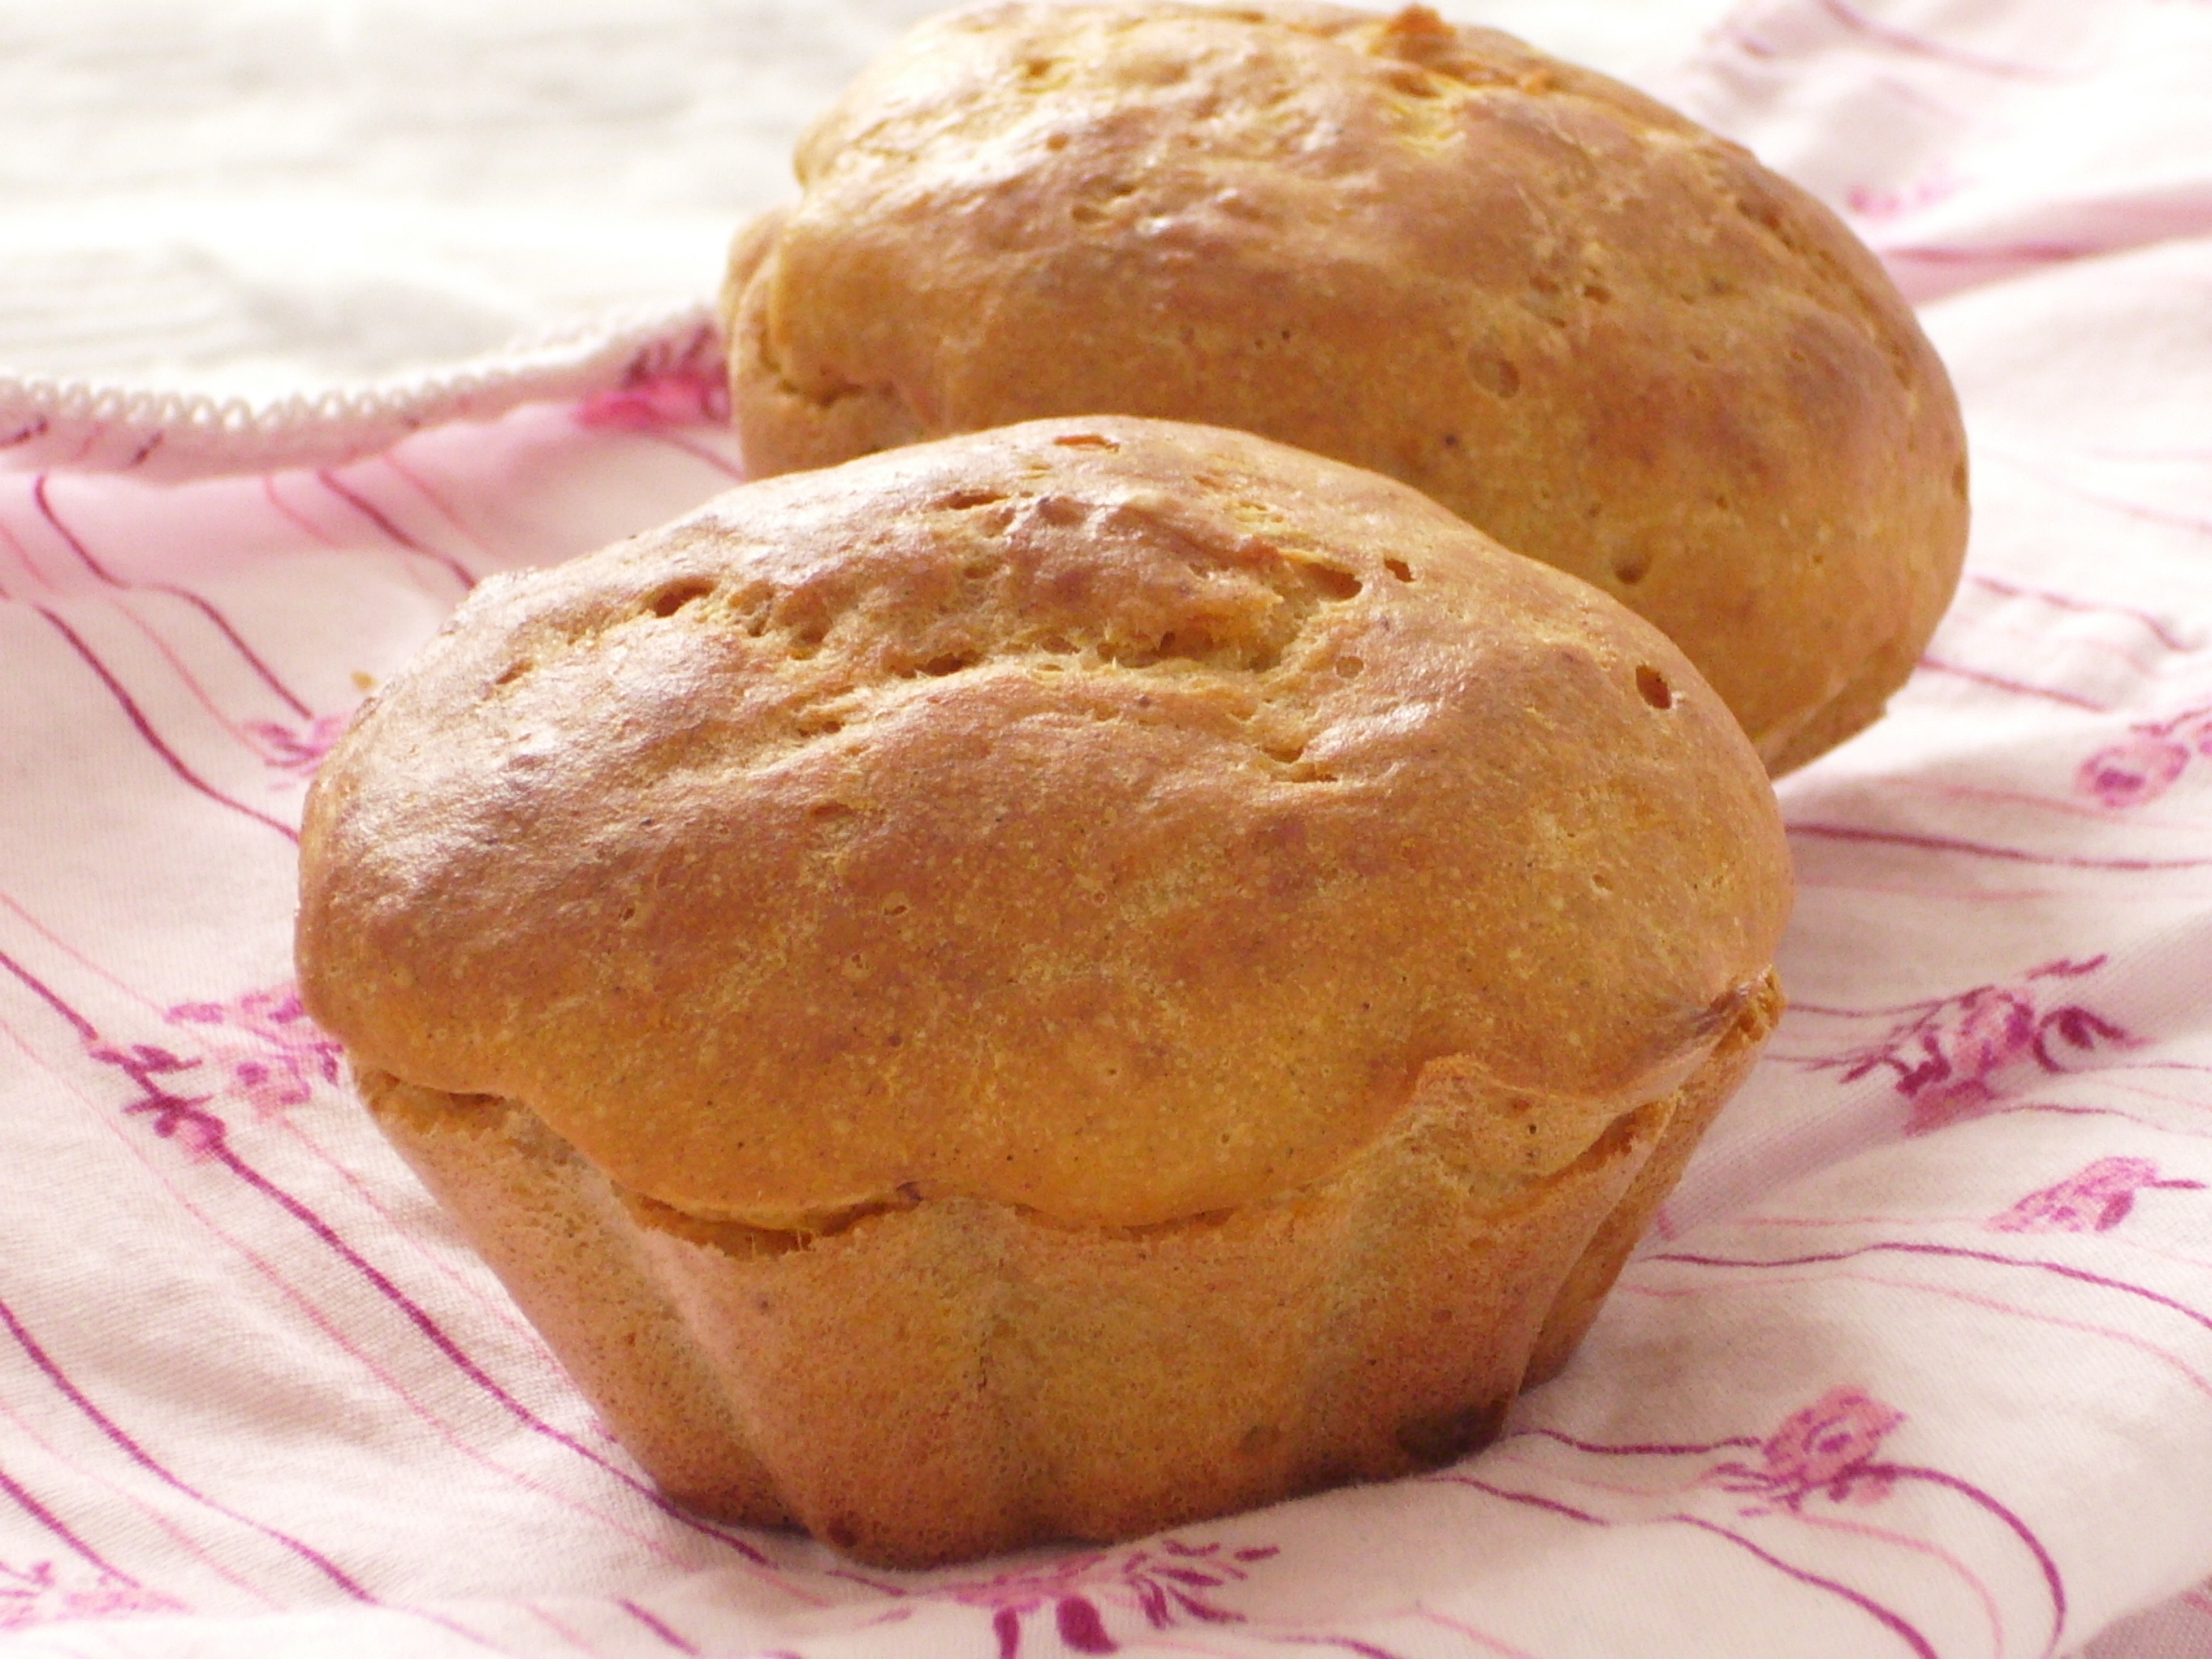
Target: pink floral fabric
(1918,1360)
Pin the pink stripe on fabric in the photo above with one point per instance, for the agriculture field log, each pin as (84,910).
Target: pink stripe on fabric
(1881,1534)
(365,1193)
(700,451)
(1988,1304)
(1922,46)
(1845,832)
(15,545)
(446,1432)
(200,694)
(1952,1251)
(521,1329)
(2054,1110)
(1292,1639)
(668,1637)
(2019,688)
(2159,630)
(1495,1456)
(1896,1621)
(376,516)
(440,1339)
(2137,819)
(580,1643)
(175,1534)
(168,1478)
(1893,1621)
(18,1495)
(2052,1581)
(292,514)
(154,741)
(1990,1609)
(1992,254)
(1636,1448)
(253,659)
(131,1448)
(1481,1638)
(1928,894)
(2043,474)
(421,487)
(169,1112)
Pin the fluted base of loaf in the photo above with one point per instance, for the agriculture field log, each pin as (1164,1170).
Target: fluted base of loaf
(956,1376)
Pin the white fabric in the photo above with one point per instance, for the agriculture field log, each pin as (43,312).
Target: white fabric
(1918,1361)
(259,199)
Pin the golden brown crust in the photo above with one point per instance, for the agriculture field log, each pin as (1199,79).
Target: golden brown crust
(960,1376)
(1108,818)
(1695,1106)
(1613,341)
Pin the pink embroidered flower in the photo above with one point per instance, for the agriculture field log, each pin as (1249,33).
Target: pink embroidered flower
(180,1118)
(1161,1582)
(1012,1595)
(674,383)
(299,749)
(1980,1035)
(2143,766)
(1989,1030)
(1878,202)
(275,1054)
(1824,1446)
(2093,1199)
(1949,1055)
(38,1595)
(2130,774)
(1828,1448)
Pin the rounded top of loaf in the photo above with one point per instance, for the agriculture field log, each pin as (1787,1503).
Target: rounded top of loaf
(1109,817)
(1608,339)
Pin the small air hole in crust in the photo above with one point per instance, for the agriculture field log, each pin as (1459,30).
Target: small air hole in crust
(1652,686)
(674,597)
(512,672)
(1398,568)
(962,500)
(1333,583)
(1086,440)
(951,662)
(1496,373)
(1630,571)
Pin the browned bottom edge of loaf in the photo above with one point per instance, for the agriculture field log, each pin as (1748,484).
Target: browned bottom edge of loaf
(960,1377)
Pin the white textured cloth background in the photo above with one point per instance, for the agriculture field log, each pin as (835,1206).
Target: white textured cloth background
(254,198)
(1920,1360)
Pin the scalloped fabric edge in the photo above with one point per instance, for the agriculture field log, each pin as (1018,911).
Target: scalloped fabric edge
(169,434)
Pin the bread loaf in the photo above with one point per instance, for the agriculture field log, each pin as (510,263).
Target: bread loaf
(1608,339)
(1047,983)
